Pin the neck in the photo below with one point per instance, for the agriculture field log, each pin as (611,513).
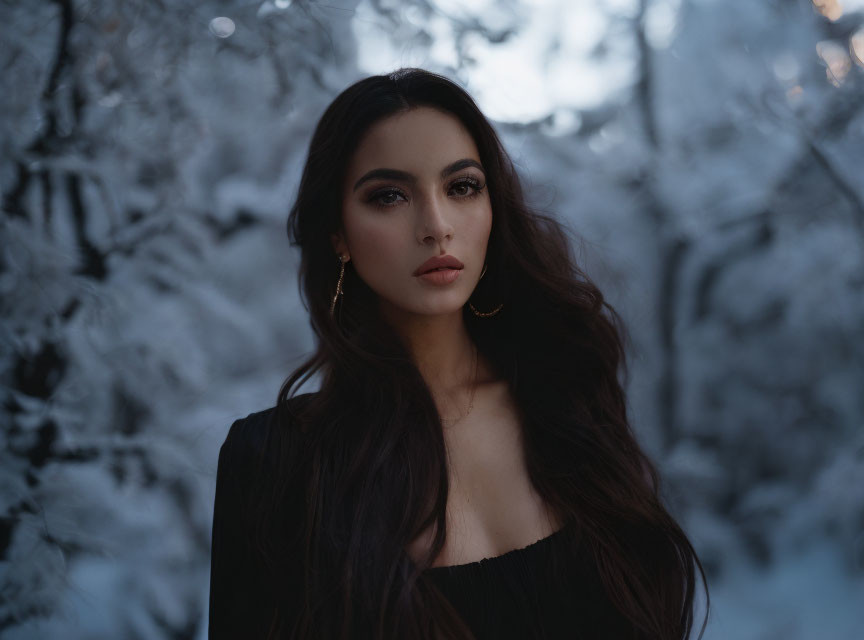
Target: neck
(444,353)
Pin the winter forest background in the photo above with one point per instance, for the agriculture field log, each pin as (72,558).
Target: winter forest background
(708,153)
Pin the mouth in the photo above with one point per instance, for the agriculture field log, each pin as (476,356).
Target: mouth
(439,263)
(440,276)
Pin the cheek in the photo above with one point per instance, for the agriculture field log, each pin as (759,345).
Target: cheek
(376,248)
(482,227)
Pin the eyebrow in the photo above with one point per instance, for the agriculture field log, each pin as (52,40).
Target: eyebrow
(404,176)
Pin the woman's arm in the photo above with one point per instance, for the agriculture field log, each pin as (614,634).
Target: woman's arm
(241,604)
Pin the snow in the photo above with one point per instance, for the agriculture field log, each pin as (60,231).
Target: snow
(720,207)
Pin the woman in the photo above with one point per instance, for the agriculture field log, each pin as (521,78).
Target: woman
(466,469)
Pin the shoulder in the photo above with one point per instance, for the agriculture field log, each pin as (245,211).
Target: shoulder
(249,438)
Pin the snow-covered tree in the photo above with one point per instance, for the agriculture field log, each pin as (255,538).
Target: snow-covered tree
(147,290)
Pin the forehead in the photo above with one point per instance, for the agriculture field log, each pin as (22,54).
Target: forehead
(421,141)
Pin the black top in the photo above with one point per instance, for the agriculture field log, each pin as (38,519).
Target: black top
(546,590)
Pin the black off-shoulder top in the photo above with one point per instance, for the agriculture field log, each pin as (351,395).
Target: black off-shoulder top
(546,590)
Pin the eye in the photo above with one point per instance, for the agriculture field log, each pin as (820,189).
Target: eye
(383,199)
(467,187)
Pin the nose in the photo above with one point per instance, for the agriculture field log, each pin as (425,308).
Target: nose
(433,221)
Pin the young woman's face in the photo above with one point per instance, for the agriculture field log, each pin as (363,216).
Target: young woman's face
(415,189)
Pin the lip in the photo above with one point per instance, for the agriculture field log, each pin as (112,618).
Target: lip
(440,278)
(446,262)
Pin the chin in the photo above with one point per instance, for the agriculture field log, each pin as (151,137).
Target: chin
(430,309)
(426,302)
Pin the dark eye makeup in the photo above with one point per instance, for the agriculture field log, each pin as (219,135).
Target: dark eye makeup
(380,198)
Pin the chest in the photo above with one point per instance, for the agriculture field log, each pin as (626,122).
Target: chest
(492,506)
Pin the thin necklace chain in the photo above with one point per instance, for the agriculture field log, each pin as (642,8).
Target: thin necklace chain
(473,390)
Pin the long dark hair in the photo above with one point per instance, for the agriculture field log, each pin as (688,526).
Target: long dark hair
(358,469)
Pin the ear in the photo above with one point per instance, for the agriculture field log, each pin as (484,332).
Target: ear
(340,246)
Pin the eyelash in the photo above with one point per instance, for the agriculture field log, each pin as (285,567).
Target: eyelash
(471,181)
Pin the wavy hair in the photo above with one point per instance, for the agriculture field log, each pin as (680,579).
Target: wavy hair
(359,469)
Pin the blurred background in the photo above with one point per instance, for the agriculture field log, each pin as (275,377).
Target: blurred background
(709,152)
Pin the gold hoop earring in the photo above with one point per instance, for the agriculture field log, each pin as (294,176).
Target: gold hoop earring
(487,314)
(339,289)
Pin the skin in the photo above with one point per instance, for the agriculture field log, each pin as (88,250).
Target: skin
(431,216)
(389,228)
